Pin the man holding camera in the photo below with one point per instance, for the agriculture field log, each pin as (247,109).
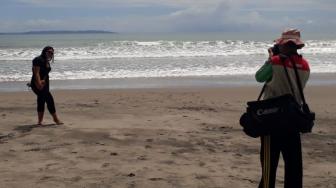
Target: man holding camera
(284,53)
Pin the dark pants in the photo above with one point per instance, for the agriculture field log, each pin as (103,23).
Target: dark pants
(290,147)
(44,96)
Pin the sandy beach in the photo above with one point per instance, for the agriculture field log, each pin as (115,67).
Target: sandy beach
(151,138)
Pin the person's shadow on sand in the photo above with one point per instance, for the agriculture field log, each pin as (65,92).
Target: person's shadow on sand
(28,128)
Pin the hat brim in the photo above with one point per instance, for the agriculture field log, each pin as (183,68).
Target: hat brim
(282,41)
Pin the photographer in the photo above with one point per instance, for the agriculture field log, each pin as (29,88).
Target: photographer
(288,144)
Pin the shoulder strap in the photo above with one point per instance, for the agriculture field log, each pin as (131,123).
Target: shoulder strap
(287,75)
(261,92)
(298,81)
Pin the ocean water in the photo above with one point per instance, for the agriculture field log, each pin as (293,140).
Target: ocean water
(121,56)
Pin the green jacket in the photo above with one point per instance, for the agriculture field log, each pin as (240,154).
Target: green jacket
(265,72)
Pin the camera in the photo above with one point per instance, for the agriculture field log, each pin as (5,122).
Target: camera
(275,49)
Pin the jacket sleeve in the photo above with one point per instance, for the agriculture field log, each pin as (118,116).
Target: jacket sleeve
(265,72)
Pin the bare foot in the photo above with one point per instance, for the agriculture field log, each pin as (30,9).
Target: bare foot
(58,122)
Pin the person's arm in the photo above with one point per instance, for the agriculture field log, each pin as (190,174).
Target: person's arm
(265,72)
(38,81)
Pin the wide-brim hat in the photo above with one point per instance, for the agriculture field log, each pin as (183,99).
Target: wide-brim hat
(292,35)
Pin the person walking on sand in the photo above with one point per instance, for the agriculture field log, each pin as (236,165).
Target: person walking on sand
(40,84)
(288,144)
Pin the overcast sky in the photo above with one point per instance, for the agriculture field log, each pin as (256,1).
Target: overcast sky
(168,15)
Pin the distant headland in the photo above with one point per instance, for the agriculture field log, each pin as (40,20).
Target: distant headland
(60,32)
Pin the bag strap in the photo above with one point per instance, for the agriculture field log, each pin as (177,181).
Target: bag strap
(298,81)
(287,75)
(261,92)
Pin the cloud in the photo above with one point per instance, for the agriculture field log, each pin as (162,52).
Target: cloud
(128,3)
(255,4)
(42,23)
(222,17)
(173,15)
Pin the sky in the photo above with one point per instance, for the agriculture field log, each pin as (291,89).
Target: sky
(169,16)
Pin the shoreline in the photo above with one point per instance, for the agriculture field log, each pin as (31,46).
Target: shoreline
(324,79)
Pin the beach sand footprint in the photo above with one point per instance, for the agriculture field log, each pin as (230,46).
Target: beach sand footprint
(6,137)
(51,147)
(28,128)
(196,108)
(156,179)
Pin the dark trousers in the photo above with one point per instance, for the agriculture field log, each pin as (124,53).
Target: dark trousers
(289,146)
(44,96)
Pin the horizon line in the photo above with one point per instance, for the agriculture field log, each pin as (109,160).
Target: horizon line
(60,32)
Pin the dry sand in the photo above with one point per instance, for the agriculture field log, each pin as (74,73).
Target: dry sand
(151,138)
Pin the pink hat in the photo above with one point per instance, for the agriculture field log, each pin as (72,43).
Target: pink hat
(290,35)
